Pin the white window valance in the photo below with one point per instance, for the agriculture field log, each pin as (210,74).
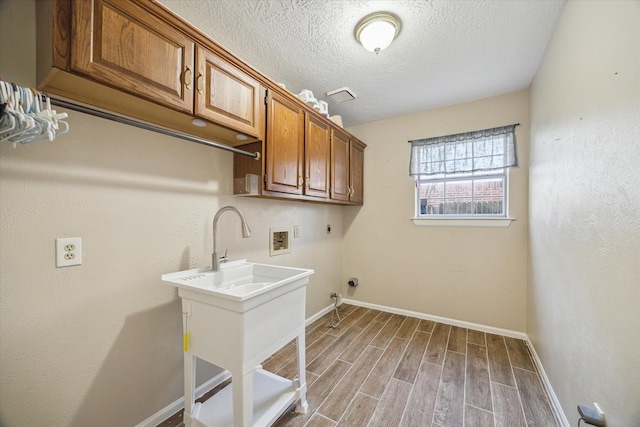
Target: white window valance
(482,150)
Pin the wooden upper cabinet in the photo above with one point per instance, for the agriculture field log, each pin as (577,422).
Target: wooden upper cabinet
(317,157)
(340,179)
(227,95)
(140,60)
(284,153)
(121,45)
(347,168)
(356,171)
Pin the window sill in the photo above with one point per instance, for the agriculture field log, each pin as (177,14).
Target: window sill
(463,222)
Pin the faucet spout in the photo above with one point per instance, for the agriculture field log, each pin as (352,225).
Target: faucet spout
(246,232)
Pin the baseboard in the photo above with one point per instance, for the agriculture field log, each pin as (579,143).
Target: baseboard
(445,320)
(178,405)
(318,314)
(555,403)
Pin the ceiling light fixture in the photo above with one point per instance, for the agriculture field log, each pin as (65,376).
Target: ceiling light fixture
(376,31)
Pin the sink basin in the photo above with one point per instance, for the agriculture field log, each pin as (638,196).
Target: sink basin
(236,281)
(242,290)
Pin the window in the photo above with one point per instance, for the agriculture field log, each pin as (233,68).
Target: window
(463,175)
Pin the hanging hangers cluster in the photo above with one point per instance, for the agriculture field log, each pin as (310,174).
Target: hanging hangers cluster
(26,116)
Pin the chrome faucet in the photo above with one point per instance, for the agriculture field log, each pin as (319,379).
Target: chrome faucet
(246,232)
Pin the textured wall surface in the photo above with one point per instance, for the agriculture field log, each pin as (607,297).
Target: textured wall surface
(583,311)
(472,274)
(100,344)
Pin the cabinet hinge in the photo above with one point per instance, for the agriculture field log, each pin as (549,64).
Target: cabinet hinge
(266,95)
(265,178)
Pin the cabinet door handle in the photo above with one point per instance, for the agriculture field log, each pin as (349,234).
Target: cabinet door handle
(308,183)
(300,181)
(187,77)
(199,83)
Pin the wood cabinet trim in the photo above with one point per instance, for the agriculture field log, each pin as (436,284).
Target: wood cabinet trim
(124,69)
(245,118)
(284,149)
(56,22)
(317,153)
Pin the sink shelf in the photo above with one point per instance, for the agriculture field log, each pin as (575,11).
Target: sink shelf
(272,395)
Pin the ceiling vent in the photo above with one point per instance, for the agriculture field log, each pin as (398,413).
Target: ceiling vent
(341,95)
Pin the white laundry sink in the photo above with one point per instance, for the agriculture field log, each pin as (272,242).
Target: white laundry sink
(237,283)
(235,318)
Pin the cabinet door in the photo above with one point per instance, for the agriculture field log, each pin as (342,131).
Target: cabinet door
(356,171)
(226,95)
(339,166)
(121,45)
(317,157)
(284,146)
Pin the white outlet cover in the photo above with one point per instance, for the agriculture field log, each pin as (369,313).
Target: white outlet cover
(68,251)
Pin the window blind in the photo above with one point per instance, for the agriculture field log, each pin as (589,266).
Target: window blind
(481,150)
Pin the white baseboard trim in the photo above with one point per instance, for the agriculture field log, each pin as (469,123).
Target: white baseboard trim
(555,403)
(445,320)
(178,405)
(318,314)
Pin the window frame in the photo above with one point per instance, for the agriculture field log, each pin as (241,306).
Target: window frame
(502,173)
(432,157)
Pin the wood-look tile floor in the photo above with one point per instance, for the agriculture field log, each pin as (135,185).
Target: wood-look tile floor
(383,369)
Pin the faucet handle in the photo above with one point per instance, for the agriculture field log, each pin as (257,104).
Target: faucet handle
(224,257)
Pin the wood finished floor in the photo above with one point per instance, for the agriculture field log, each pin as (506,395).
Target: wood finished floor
(383,369)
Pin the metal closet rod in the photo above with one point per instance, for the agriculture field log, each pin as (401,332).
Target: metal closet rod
(148,126)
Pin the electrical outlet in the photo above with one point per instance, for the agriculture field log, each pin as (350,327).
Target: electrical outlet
(68,251)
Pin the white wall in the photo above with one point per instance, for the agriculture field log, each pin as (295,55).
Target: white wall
(476,275)
(100,344)
(583,302)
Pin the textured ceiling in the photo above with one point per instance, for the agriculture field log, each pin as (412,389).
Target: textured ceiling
(447,52)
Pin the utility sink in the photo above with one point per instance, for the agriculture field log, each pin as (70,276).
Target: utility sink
(235,318)
(237,283)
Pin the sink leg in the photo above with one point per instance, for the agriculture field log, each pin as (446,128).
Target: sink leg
(189,387)
(242,399)
(302,405)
